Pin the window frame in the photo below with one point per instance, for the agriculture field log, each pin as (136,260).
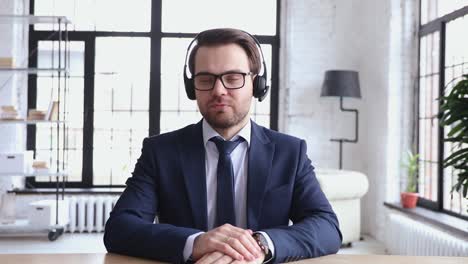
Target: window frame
(156,35)
(433,26)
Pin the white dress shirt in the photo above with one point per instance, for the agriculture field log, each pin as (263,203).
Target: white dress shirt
(239,164)
(239,157)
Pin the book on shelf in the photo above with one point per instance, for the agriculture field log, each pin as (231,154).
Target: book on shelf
(8,112)
(6,62)
(52,112)
(34,114)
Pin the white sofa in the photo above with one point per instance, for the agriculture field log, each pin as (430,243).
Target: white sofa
(344,190)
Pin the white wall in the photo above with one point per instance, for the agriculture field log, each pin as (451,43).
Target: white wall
(376,38)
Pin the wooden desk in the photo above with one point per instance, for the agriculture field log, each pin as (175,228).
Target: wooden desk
(118,259)
(384,259)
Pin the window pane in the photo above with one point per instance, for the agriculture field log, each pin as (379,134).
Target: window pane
(98,15)
(177,110)
(456,64)
(428,122)
(121,106)
(256,17)
(47,84)
(433,9)
(48,56)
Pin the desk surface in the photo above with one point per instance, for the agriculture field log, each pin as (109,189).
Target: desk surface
(118,259)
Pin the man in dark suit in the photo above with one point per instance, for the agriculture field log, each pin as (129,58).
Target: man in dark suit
(224,189)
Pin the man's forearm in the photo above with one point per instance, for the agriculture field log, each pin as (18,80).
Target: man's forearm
(131,235)
(312,237)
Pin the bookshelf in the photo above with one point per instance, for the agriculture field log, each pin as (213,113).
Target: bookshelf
(58,123)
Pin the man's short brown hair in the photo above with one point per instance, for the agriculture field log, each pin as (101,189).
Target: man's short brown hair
(221,36)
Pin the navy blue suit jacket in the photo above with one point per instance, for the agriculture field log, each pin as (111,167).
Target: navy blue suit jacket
(169,181)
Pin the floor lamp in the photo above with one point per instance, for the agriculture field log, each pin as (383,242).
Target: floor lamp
(342,84)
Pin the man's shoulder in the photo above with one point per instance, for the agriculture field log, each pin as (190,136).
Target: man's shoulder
(173,136)
(278,137)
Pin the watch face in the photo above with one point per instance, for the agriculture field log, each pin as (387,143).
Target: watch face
(262,242)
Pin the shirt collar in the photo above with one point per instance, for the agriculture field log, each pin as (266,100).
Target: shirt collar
(209,132)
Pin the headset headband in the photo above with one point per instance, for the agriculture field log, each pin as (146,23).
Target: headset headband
(189,51)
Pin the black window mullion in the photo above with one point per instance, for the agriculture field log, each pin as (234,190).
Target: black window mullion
(440,167)
(155,69)
(274,89)
(433,25)
(88,113)
(32,95)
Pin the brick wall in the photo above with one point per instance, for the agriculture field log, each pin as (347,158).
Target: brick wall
(376,38)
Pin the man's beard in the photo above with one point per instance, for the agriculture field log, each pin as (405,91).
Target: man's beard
(221,122)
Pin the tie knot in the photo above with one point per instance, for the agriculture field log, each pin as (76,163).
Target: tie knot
(226,147)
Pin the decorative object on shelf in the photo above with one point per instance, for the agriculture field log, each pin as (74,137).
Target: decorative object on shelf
(342,83)
(8,112)
(52,112)
(40,167)
(454,114)
(6,62)
(409,197)
(34,114)
(16,164)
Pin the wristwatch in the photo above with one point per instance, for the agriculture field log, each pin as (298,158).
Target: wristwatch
(263,244)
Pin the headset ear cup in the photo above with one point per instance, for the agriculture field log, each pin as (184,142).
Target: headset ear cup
(259,87)
(255,86)
(189,87)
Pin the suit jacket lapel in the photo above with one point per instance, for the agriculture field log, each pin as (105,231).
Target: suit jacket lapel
(193,166)
(260,163)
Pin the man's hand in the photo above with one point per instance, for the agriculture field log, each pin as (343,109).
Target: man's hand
(236,243)
(220,258)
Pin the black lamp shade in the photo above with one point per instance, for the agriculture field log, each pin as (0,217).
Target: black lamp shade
(341,83)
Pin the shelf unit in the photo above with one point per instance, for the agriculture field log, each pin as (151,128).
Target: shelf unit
(32,19)
(62,71)
(30,122)
(33,70)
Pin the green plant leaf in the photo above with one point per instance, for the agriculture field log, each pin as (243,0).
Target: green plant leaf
(461,127)
(454,158)
(465,190)
(457,139)
(453,115)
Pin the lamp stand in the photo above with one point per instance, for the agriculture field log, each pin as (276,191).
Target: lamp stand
(341,140)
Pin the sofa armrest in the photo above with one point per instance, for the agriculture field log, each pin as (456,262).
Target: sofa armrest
(342,184)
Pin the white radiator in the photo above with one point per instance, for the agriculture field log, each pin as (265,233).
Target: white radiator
(408,237)
(89,213)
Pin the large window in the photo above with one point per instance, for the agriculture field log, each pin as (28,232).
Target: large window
(126,62)
(443,57)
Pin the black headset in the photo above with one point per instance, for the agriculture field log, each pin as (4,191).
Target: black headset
(260,87)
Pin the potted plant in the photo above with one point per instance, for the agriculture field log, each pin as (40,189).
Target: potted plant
(454,113)
(409,197)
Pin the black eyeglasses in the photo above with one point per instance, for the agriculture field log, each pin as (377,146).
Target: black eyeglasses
(230,80)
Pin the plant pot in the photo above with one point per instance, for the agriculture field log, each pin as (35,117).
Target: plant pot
(409,200)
